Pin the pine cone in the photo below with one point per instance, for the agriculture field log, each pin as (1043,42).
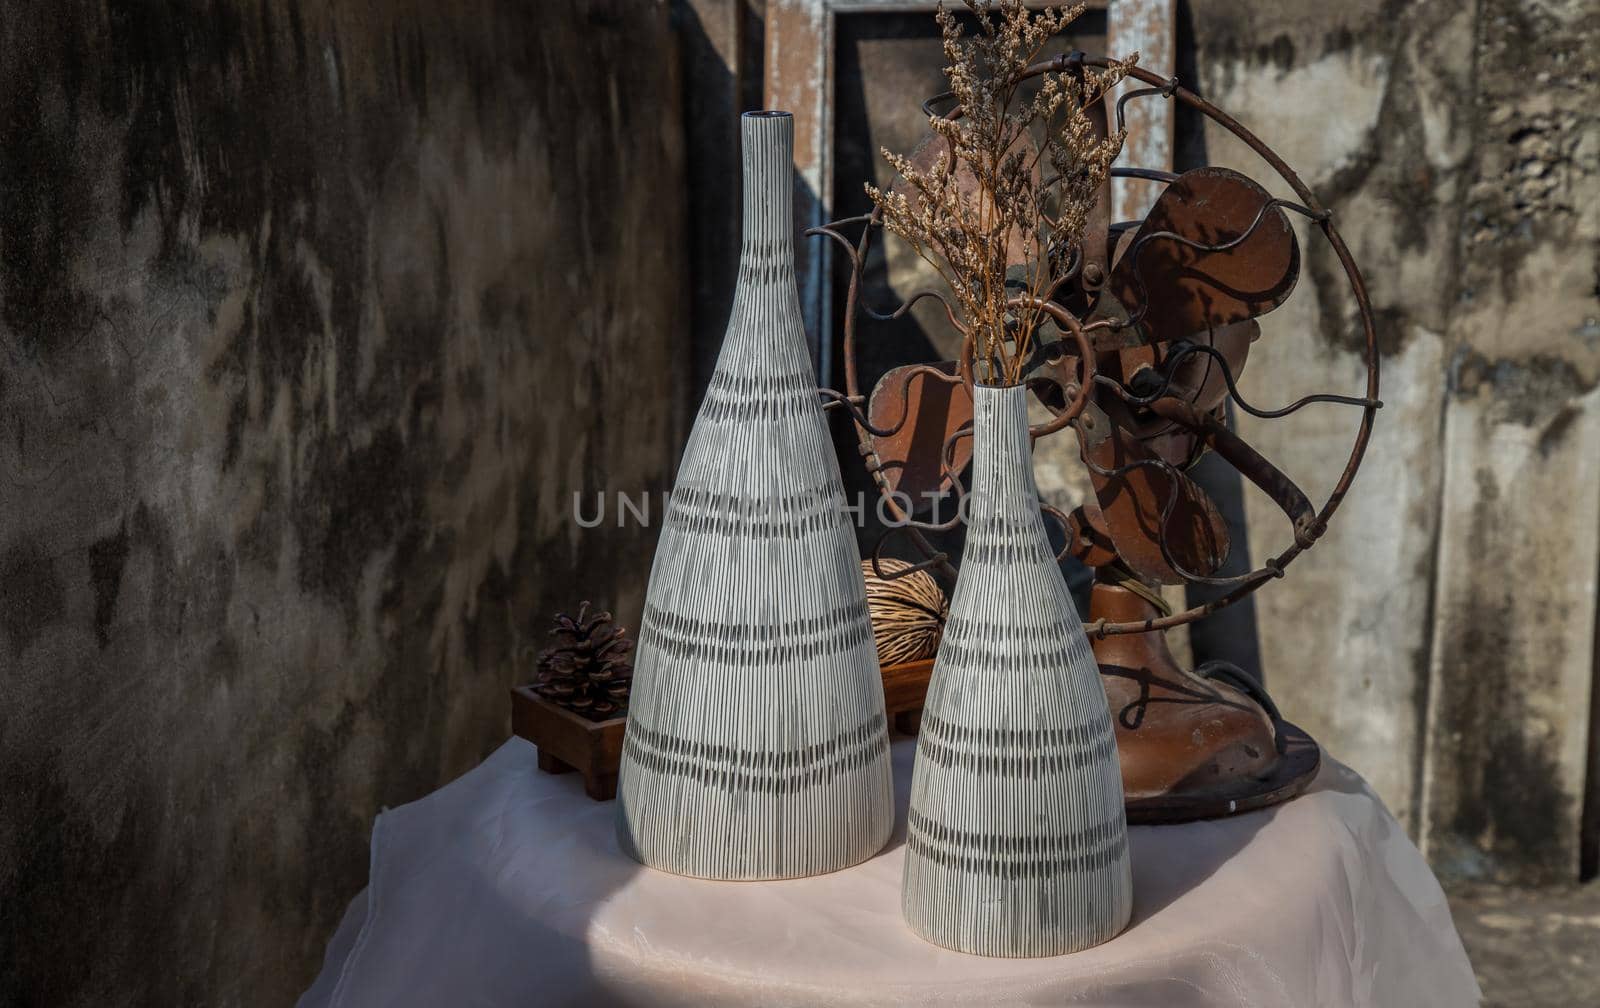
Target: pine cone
(587,670)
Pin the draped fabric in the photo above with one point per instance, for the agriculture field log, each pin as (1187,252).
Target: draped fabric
(507,888)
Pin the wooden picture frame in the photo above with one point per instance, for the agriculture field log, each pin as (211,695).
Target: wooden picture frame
(800,50)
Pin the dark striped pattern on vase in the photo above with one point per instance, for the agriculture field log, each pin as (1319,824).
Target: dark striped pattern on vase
(756,745)
(1016,843)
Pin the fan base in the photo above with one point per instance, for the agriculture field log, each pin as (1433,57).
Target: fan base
(1299,758)
(1191,747)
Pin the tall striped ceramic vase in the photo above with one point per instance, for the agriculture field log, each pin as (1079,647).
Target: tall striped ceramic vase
(756,745)
(1017,844)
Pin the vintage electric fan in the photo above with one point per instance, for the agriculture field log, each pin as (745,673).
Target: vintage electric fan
(1156,319)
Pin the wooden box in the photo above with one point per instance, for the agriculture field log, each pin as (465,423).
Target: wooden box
(569,741)
(905,690)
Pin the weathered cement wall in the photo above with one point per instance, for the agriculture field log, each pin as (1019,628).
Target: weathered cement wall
(313,316)
(1441,638)
(1449,648)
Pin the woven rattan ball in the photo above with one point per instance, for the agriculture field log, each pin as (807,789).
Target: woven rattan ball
(908,613)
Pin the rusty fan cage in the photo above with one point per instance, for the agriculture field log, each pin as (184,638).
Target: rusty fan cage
(1108,327)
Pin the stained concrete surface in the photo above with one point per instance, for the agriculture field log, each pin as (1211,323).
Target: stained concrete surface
(1532,948)
(1440,638)
(313,317)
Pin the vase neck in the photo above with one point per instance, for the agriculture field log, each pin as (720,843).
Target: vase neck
(768,144)
(1002,452)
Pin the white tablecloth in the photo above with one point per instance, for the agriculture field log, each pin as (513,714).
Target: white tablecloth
(507,888)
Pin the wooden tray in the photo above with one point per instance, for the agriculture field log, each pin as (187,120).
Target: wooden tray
(568,741)
(905,690)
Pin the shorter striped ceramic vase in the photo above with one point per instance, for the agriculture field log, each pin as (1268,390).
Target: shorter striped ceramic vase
(1017,844)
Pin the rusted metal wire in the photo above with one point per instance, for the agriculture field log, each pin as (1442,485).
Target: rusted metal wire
(1309,523)
(1177,356)
(828,231)
(852,403)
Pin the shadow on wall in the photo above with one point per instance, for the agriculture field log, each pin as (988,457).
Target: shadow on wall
(312,320)
(722,55)
(1231,634)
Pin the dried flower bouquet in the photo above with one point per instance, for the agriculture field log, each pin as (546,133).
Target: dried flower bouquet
(1001,232)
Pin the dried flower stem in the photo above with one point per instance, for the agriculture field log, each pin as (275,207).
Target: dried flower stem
(984,194)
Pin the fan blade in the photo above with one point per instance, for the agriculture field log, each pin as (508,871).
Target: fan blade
(1254,466)
(1125,238)
(1199,376)
(1131,503)
(1174,289)
(922,410)
(1198,379)
(1091,539)
(1173,445)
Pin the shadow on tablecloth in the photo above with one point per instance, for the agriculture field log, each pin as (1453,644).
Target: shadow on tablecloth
(506,888)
